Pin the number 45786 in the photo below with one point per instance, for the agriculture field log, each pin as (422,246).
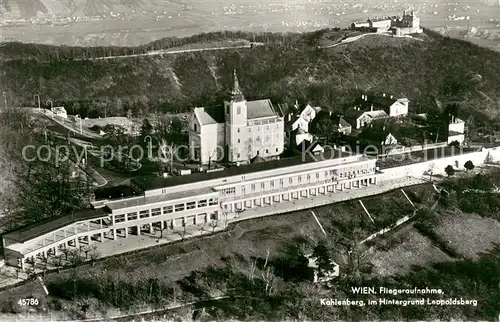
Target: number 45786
(28,302)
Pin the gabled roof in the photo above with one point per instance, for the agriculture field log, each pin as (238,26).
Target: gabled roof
(260,108)
(375,114)
(343,123)
(209,115)
(257,159)
(379,102)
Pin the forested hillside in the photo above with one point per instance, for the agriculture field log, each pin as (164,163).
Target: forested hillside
(287,68)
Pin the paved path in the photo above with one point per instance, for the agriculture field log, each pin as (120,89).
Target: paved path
(352,39)
(172,51)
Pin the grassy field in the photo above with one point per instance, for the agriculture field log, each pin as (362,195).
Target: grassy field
(406,248)
(469,234)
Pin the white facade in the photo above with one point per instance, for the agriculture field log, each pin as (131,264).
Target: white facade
(238,131)
(399,108)
(367,117)
(456,131)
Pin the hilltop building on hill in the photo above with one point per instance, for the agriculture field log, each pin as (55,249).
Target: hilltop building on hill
(237,131)
(399,26)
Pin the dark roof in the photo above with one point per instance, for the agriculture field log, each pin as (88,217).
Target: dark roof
(336,118)
(216,112)
(148,183)
(379,103)
(453,133)
(289,124)
(116,192)
(50,224)
(257,159)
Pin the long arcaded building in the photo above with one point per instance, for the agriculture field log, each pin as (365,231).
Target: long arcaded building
(165,203)
(218,197)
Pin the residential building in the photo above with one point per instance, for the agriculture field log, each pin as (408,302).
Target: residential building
(340,125)
(237,131)
(399,108)
(368,117)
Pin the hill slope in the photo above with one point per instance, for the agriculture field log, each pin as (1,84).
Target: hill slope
(287,68)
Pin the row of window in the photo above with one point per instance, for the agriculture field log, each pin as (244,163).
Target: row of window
(328,174)
(258,151)
(167,209)
(257,138)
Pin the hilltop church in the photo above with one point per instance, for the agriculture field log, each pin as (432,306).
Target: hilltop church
(239,132)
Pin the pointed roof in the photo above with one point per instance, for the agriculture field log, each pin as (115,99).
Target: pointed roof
(236,94)
(257,159)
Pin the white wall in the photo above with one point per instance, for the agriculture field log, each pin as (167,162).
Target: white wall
(398,108)
(457,127)
(437,166)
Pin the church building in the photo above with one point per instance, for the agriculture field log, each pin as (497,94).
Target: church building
(236,132)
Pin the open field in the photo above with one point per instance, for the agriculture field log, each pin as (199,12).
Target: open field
(409,248)
(469,234)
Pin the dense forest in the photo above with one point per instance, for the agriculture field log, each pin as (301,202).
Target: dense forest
(288,67)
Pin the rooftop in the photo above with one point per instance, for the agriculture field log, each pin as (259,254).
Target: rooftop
(215,114)
(375,114)
(209,115)
(50,224)
(140,201)
(260,108)
(157,183)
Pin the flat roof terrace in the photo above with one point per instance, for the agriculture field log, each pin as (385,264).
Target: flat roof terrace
(142,201)
(48,225)
(148,183)
(403,159)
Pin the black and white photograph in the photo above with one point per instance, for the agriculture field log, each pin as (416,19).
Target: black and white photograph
(243,160)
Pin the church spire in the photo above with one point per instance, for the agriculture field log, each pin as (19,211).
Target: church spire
(236,94)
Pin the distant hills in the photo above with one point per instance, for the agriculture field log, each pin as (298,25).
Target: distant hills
(287,68)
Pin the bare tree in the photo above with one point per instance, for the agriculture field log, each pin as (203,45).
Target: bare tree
(253,267)
(268,278)
(267,258)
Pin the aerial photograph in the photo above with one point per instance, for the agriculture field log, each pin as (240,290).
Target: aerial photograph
(242,160)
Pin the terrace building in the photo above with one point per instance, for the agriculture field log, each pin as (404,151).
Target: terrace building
(196,199)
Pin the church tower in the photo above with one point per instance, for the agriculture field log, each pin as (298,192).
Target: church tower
(236,125)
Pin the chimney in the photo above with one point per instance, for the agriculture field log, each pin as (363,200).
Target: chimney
(330,113)
(391,97)
(383,94)
(362,96)
(366,98)
(371,108)
(289,117)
